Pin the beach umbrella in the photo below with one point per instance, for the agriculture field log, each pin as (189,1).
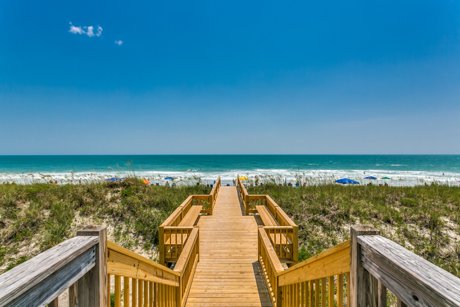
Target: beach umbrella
(370,178)
(169,178)
(346,181)
(243,177)
(386,178)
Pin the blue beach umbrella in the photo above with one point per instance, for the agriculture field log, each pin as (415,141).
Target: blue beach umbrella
(346,181)
(169,178)
(370,178)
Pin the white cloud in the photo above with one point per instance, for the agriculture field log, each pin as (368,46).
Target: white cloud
(119,42)
(90,31)
(75,30)
(86,30)
(99,31)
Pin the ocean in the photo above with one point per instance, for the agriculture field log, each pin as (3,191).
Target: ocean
(189,169)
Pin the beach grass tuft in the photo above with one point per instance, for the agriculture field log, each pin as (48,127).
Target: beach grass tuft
(424,219)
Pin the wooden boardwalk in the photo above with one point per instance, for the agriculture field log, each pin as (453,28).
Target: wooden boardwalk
(228,273)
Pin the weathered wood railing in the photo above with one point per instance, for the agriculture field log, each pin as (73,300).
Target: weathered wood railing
(138,281)
(284,234)
(358,273)
(77,264)
(175,230)
(379,264)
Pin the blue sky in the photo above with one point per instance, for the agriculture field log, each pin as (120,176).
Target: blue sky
(114,77)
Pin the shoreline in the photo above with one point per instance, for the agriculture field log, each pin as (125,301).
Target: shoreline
(277,176)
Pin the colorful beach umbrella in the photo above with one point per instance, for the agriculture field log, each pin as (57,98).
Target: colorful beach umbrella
(346,181)
(370,178)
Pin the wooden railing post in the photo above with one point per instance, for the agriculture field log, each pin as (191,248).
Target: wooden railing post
(161,243)
(295,243)
(359,277)
(92,287)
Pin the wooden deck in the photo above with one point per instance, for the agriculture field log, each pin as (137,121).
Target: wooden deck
(228,273)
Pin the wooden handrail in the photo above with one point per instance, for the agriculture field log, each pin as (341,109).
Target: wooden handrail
(177,215)
(144,279)
(270,264)
(36,282)
(334,261)
(284,236)
(119,256)
(319,277)
(186,264)
(76,261)
(139,280)
(379,264)
(172,235)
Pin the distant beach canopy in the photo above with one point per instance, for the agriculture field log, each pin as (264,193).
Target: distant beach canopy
(346,181)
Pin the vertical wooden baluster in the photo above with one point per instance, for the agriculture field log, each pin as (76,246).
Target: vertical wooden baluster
(340,290)
(146,293)
(126,291)
(73,295)
(382,295)
(108,289)
(299,301)
(54,303)
(317,293)
(117,291)
(348,289)
(158,298)
(151,294)
(331,291)
(323,292)
(301,294)
(134,292)
(140,295)
(307,294)
(311,293)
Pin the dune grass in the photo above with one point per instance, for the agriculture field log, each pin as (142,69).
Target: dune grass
(424,219)
(36,217)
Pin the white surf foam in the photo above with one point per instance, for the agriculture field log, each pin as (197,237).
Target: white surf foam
(278,176)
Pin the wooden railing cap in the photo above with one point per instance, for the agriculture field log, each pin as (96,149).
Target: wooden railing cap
(364,230)
(91,230)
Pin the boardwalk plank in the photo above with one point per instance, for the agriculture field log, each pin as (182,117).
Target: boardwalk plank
(228,273)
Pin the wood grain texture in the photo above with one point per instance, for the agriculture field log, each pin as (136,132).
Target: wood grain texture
(56,282)
(413,279)
(32,273)
(228,273)
(359,283)
(93,285)
(333,261)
